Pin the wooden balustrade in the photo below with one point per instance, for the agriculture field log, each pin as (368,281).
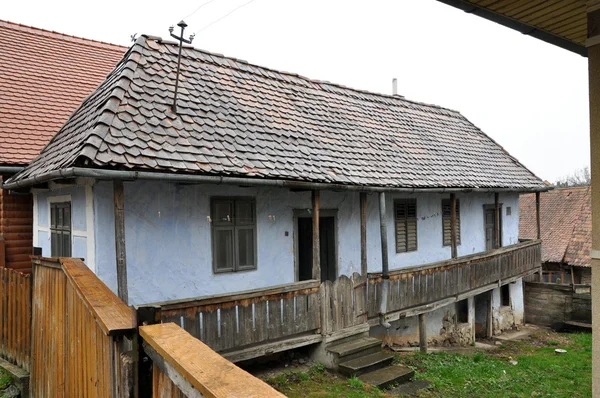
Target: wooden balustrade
(184,366)
(414,290)
(78,324)
(343,303)
(231,321)
(15,317)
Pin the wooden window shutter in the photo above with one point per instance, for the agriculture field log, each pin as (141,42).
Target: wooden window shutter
(405,215)
(446,222)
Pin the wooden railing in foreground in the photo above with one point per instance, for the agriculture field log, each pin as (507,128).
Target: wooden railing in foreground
(78,324)
(15,317)
(184,366)
(229,321)
(414,290)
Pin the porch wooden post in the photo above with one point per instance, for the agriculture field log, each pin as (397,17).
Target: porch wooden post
(363,233)
(497,219)
(537,215)
(490,315)
(423,332)
(453,224)
(119,199)
(316,246)
(594,96)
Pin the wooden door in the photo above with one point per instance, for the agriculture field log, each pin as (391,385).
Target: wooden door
(490,229)
(327,245)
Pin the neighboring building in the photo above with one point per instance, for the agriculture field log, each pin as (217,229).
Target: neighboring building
(222,196)
(45,76)
(566,225)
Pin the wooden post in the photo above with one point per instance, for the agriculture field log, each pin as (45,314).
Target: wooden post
(363,234)
(537,215)
(490,316)
(423,332)
(453,224)
(119,199)
(316,246)
(497,219)
(471,304)
(383,234)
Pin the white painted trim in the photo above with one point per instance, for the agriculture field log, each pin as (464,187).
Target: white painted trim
(89,225)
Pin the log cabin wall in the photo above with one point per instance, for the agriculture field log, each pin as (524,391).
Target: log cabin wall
(16,230)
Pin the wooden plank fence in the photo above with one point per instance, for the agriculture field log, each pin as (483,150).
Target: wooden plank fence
(449,280)
(78,325)
(232,321)
(15,316)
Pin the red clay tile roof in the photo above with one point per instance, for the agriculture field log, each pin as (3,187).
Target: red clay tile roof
(566,224)
(44,77)
(239,119)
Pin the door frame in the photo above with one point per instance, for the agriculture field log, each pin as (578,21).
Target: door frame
(487,207)
(307,213)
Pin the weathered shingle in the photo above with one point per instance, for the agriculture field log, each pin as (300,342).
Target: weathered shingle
(239,119)
(566,224)
(44,77)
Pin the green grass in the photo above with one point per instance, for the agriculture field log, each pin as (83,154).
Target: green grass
(539,371)
(5,380)
(317,382)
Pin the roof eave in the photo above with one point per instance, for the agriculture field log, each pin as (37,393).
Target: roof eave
(74,172)
(524,28)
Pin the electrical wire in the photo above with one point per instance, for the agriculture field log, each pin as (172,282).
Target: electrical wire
(224,16)
(197,9)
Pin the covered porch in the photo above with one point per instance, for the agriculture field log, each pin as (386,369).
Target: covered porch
(249,324)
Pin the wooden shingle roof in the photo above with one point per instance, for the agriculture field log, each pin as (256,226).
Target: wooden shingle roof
(44,77)
(238,119)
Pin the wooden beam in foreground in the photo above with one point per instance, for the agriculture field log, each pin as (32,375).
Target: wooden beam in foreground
(196,369)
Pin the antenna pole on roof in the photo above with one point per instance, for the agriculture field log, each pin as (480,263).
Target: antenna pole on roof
(182,25)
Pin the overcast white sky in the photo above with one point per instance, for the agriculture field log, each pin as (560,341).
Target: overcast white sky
(529,96)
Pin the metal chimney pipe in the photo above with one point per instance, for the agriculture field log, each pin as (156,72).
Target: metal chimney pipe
(395,86)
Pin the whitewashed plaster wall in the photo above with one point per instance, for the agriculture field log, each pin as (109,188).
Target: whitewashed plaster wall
(168,236)
(82,231)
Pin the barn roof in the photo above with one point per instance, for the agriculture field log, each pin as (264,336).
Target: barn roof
(45,76)
(238,119)
(566,224)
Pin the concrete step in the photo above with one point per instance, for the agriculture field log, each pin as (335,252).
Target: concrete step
(365,364)
(388,376)
(355,348)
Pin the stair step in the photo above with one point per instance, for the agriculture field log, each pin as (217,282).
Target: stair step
(352,347)
(365,364)
(388,376)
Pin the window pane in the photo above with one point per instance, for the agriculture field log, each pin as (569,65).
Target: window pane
(54,244)
(245,248)
(66,245)
(244,212)
(53,216)
(222,212)
(67,217)
(223,249)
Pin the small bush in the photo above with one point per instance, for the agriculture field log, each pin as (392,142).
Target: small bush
(354,382)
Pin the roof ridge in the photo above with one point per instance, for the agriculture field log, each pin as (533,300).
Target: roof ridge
(60,35)
(399,98)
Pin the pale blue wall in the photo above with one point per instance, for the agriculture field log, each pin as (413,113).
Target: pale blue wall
(168,236)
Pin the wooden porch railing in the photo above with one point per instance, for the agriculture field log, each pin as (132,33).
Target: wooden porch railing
(186,367)
(78,324)
(15,317)
(414,290)
(232,321)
